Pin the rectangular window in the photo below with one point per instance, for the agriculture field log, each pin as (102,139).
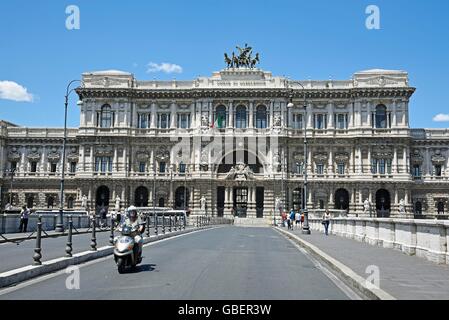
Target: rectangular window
(299,168)
(416,171)
(320,121)
(163,121)
(438,170)
(33,166)
(320,168)
(182,167)
(341,121)
(52,167)
(381,166)
(374,166)
(142,167)
(161,167)
(184,120)
(103,164)
(72,167)
(341,168)
(389,166)
(297,121)
(142,120)
(13,166)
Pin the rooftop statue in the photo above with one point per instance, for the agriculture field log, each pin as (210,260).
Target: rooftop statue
(243,59)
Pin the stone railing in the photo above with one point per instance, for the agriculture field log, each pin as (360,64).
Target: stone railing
(424,238)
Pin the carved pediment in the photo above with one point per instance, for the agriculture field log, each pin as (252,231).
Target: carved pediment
(73,155)
(162,153)
(416,157)
(142,156)
(342,157)
(34,154)
(382,152)
(54,155)
(240,172)
(104,151)
(438,158)
(320,157)
(14,154)
(298,156)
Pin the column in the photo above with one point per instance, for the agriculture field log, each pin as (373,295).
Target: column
(92,160)
(331,170)
(394,117)
(173,115)
(369,112)
(330,112)
(271,114)
(115,164)
(231,115)
(369,160)
(395,166)
(153,116)
(404,160)
(251,115)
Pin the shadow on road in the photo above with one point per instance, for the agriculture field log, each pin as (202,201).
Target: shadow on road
(143,268)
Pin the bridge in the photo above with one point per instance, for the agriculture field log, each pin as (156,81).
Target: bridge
(210,258)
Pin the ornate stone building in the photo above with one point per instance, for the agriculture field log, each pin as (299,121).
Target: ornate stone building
(229,144)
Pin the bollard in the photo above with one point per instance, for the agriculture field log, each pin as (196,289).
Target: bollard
(163,223)
(197,222)
(148,225)
(169,226)
(111,236)
(155,224)
(37,251)
(68,247)
(175,218)
(93,242)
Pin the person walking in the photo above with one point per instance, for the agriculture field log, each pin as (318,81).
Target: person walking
(292,218)
(326,222)
(24,215)
(297,220)
(302,218)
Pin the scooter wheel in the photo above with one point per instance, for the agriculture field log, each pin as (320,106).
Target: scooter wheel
(121,265)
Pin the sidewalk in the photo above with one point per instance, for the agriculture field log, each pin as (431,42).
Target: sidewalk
(404,277)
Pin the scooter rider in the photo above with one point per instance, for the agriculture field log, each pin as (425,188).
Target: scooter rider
(133,220)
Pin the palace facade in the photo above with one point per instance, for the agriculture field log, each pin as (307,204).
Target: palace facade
(231,144)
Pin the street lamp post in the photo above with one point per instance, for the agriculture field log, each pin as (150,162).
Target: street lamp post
(60,225)
(306,227)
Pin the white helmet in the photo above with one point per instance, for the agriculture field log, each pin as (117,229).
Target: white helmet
(132,208)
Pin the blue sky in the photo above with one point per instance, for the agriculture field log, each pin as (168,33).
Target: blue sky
(301,39)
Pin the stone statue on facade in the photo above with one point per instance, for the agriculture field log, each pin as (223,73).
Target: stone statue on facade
(278,204)
(84,202)
(367,207)
(401,206)
(203,204)
(117,204)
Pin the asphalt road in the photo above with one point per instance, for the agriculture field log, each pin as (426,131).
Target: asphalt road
(222,263)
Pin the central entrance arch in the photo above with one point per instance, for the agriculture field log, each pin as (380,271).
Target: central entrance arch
(141,197)
(240,201)
(342,199)
(180,194)
(102,197)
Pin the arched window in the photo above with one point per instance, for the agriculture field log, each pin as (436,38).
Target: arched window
(261,117)
(381,116)
(141,197)
(240,117)
(220,117)
(106,116)
(418,207)
(50,202)
(30,202)
(70,202)
(161,202)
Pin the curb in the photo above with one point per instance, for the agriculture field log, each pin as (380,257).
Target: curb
(15,276)
(346,274)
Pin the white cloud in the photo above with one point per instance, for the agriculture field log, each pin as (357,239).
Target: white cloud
(10,90)
(164,67)
(441,117)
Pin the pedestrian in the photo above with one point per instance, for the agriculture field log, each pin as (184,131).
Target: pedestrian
(24,215)
(292,218)
(297,220)
(326,221)
(284,218)
(302,218)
